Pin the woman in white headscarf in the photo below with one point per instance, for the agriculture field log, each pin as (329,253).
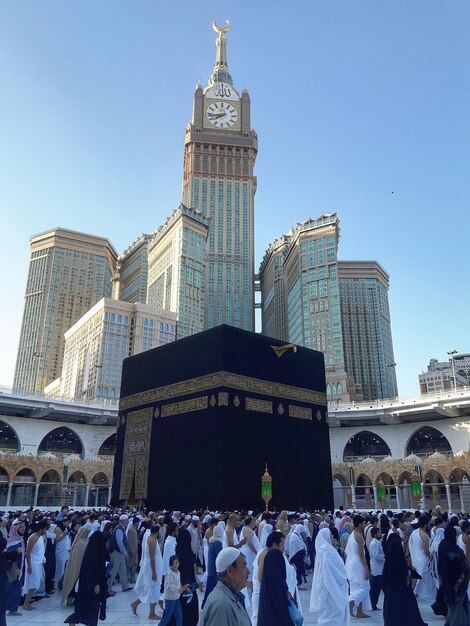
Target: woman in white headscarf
(267,528)
(329,597)
(297,551)
(433,561)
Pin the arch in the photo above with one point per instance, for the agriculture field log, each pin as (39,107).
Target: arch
(385,478)
(25,475)
(434,489)
(23,488)
(77,477)
(457,475)
(100,479)
(63,441)
(4,475)
(51,476)
(365,444)
(404,476)
(433,476)
(108,447)
(50,489)
(426,440)
(342,479)
(364,490)
(404,490)
(363,480)
(459,481)
(9,439)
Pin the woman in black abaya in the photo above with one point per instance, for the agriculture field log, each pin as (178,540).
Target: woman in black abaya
(400,606)
(454,574)
(187,560)
(274,596)
(90,602)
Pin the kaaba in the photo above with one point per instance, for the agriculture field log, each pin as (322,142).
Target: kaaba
(200,418)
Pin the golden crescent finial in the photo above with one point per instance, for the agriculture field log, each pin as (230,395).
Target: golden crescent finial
(219,29)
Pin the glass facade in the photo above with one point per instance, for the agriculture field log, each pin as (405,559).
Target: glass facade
(367,329)
(96,346)
(177,269)
(68,273)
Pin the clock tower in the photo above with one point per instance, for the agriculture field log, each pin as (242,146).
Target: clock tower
(219,156)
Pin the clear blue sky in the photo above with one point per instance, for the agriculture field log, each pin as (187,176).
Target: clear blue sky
(360,107)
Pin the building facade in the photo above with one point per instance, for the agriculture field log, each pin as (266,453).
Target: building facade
(442,375)
(97,344)
(340,308)
(300,297)
(68,273)
(133,271)
(219,157)
(54,452)
(177,269)
(366,328)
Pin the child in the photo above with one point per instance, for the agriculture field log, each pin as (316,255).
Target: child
(173,590)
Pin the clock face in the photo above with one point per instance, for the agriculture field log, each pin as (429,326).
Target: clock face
(222,114)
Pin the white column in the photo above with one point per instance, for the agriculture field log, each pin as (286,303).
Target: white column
(353,496)
(109,493)
(462,504)
(397,490)
(97,493)
(10,485)
(376,498)
(449,499)
(36,493)
(87,493)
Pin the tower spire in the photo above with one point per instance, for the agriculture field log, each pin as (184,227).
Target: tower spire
(220,73)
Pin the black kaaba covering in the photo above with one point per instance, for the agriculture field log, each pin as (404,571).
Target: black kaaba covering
(200,417)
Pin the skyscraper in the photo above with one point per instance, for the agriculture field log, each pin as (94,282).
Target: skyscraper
(219,156)
(97,344)
(68,273)
(133,271)
(300,297)
(177,268)
(341,308)
(366,328)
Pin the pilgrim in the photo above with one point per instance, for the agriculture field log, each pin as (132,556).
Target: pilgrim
(34,570)
(90,602)
(329,595)
(400,606)
(419,551)
(454,572)
(357,570)
(149,580)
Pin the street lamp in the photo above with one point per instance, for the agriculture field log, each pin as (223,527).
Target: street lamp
(451,353)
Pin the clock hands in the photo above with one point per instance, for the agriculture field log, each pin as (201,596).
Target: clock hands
(215,116)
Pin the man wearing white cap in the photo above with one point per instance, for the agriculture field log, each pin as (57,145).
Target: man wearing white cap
(119,555)
(225,604)
(195,533)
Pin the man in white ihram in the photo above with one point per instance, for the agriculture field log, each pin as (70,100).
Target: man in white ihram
(357,570)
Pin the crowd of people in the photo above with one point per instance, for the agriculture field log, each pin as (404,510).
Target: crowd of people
(239,568)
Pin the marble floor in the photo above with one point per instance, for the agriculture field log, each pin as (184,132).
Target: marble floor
(49,612)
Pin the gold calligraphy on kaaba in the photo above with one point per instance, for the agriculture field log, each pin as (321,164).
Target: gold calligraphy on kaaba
(223,379)
(223,398)
(302,412)
(135,460)
(185,406)
(262,406)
